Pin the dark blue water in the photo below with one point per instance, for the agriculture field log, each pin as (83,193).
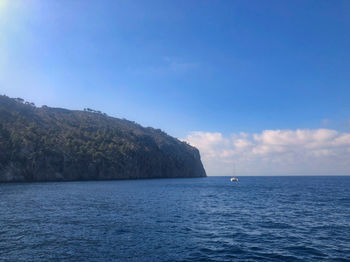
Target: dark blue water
(209,219)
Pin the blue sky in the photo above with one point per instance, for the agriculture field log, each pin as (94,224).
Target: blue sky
(209,66)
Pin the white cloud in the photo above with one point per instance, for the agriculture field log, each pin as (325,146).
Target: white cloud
(275,152)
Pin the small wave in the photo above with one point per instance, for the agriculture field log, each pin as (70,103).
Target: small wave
(307,250)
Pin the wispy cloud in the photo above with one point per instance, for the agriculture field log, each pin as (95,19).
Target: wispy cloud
(178,65)
(168,65)
(275,152)
(326,122)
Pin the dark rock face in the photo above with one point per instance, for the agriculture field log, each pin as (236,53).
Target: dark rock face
(52,144)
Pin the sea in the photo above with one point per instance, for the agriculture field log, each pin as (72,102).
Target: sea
(200,219)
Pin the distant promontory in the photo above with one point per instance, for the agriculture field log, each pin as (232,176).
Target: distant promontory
(54,144)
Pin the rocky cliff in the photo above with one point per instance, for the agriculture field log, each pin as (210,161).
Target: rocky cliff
(53,144)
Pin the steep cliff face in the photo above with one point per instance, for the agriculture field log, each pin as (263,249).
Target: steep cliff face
(52,144)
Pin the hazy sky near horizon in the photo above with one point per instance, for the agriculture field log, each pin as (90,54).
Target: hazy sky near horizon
(264,85)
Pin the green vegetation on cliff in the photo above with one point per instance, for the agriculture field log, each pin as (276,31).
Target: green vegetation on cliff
(47,144)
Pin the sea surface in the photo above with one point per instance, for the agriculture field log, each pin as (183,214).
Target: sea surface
(202,219)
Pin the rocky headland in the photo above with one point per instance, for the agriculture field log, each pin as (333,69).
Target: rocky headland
(54,144)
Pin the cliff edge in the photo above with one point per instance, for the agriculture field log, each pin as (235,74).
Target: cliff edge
(54,144)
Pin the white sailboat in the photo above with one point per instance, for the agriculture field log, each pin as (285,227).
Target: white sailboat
(234,178)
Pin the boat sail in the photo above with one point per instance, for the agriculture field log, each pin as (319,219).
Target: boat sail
(234,178)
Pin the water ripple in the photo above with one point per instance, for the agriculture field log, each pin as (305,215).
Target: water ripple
(257,219)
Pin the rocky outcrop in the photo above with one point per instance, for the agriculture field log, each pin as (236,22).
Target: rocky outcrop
(53,144)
